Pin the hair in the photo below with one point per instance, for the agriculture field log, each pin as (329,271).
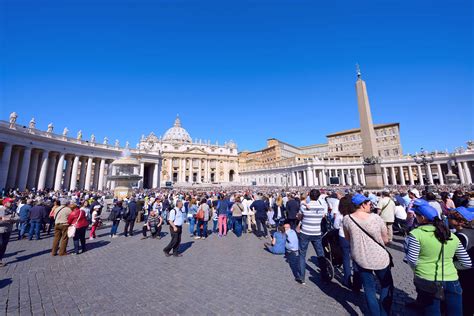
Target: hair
(442,232)
(444,196)
(203,201)
(281,229)
(314,194)
(430,196)
(237,199)
(346,206)
(279,201)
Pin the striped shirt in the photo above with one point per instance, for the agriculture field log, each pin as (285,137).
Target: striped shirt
(313,214)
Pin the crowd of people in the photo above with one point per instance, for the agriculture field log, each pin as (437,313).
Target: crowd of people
(437,224)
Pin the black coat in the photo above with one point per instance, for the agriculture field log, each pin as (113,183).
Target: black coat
(292,208)
(275,212)
(132,211)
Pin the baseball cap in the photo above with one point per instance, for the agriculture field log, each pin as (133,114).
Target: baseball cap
(358,199)
(421,207)
(415,192)
(466,213)
(7,200)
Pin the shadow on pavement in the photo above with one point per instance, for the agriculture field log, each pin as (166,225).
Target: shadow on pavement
(27,257)
(5,283)
(185,246)
(11,254)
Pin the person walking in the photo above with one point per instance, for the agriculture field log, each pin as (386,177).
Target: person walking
(115,216)
(192,220)
(203,218)
(431,248)
(367,234)
(24,216)
(96,221)
(130,217)
(312,214)
(175,220)
(36,219)
(78,218)
(237,209)
(60,215)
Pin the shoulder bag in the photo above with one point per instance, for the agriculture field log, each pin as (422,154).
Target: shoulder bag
(71,230)
(434,288)
(388,252)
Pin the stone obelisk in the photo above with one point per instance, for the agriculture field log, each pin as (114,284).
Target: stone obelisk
(372,169)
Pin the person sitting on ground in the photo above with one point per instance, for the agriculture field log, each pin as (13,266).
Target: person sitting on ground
(277,247)
(153,224)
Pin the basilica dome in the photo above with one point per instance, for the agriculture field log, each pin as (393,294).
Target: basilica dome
(177,133)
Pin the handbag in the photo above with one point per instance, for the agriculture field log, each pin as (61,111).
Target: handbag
(388,252)
(434,288)
(71,230)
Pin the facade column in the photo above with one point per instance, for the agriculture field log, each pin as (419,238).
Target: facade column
(309,177)
(410,175)
(82,173)
(13,169)
(43,170)
(51,170)
(155,176)
(170,169)
(293,179)
(468,173)
(100,184)
(440,174)
(362,176)
(199,171)
(25,167)
(402,175)
(75,167)
(349,177)
(67,174)
(325,179)
(5,164)
(59,172)
(420,175)
(430,174)
(95,180)
(31,183)
(356,176)
(142,174)
(461,173)
(343,177)
(87,184)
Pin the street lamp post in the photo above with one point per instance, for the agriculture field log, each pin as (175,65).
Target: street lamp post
(425,159)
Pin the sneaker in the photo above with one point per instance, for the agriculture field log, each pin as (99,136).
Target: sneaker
(197,237)
(301,282)
(144,238)
(177,255)
(91,238)
(114,236)
(167,253)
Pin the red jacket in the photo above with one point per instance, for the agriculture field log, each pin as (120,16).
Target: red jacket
(72,218)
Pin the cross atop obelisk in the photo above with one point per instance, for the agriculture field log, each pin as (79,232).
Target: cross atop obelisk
(372,170)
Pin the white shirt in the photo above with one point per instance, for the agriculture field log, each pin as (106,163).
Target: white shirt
(400,212)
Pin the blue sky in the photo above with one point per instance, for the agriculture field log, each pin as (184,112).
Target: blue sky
(241,70)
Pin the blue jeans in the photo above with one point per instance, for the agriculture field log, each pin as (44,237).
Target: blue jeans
(318,247)
(115,225)
(346,259)
(237,225)
(230,222)
(214,226)
(244,223)
(192,223)
(453,300)
(202,232)
(22,230)
(35,227)
(383,305)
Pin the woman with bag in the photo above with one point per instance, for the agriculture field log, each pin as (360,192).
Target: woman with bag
(78,224)
(430,251)
(367,234)
(237,209)
(202,217)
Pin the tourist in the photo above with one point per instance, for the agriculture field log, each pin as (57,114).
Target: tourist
(47,210)
(237,209)
(36,219)
(430,251)
(461,219)
(60,215)
(130,216)
(6,223)
(251,223)
(277,246)
(215,219)
(245,212)
(86,207)
(279,211)
(96,221)
(153,224)
(192,211)
(292,209)
(446,203)
(175,220)
(222,210)
(312,214)
(413,194)
(115,215)
(386,211)
(56,204)
(203,218)
(367,234)
(78,218)
(432,200)
(24,216)
(260,208)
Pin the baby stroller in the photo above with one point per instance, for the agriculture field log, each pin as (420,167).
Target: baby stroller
(332,252)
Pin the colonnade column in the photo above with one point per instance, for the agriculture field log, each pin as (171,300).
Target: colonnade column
(349,176)
(420,176)
(356,176)
(410,176)
(5,164)
(75,167)
(59,173)
(25,166)
(82,173)
(33,169)
(362,176)
(13,169)
(402,175)
(461,173)
(51,171)
(95,180)
(100,184)
(468,172)
(67,174)
(385,176)
(155,176)
(440,174)
(430,174)
(293,179)
(309,177)
(87,184)
(343,177)
(393,175)
(43,170)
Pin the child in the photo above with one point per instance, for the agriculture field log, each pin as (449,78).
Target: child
(96,221)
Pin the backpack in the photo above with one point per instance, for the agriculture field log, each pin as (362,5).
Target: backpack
(200,214)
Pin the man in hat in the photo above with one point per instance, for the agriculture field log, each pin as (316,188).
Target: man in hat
(60,215)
